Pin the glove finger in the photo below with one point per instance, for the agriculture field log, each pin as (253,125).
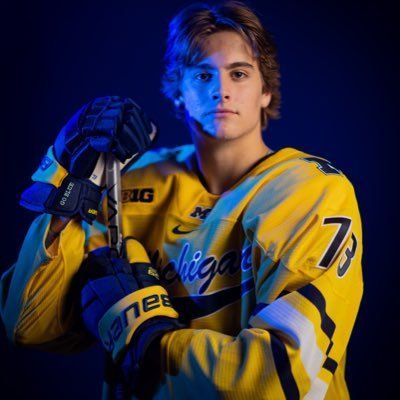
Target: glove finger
(120,151)
(134,251)
(121,266)
(99,290)
(127,284)
(106,124)
(138,143)
(102,104)
(78,118)
(73,142)
(104,115)
(146,121)
(124,277)
(129,104)
(101,143)
(137,123)
(130,107)
(149,127)
(83,160)
(67,141)
(129,141)
(143,139)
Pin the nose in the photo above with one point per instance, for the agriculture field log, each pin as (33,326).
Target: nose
(221,96)
(221,91)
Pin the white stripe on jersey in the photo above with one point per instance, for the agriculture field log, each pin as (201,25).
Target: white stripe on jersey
(317,391)
(300,331)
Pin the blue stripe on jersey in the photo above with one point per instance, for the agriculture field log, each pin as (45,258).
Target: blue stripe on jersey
(282,365)
(311,293)
(330,364)
(258,308)
(193,307)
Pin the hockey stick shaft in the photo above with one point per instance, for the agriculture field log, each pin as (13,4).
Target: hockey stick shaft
(114,225)
(114,232)
(112,387)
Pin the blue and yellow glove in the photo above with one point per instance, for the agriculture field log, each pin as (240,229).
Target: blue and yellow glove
(124,305)
(63,183)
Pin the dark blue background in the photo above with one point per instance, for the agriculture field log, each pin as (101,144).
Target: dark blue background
(339,66)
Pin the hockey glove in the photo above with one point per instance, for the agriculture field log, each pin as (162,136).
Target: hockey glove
(63,184)
(124,305)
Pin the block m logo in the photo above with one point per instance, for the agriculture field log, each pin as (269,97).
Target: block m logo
(200,213)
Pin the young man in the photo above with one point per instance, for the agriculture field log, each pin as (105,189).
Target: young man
(258,252)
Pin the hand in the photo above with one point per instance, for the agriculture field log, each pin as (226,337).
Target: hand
(124,305)
(108,124)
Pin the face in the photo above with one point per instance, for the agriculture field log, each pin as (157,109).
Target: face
(223,93)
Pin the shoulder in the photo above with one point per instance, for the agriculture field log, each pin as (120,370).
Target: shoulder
(300,180)
(300,194)
(295,169)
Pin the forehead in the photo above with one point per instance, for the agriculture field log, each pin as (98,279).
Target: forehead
(224,48)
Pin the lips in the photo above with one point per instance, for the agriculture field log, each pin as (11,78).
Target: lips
(222,111)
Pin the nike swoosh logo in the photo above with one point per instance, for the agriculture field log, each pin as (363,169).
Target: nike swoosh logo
(177,231)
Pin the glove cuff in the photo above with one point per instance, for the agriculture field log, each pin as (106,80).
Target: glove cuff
(120,322)
(50,170)
(73,197)
(56,192)
(143,358)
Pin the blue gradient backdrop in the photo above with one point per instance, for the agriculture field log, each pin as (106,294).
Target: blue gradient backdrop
(339,82)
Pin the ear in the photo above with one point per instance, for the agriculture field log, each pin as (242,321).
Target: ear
(179,102)
(265,99)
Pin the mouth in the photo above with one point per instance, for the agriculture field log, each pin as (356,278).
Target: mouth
(222,112)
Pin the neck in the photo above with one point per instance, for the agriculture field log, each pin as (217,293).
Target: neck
(223,162)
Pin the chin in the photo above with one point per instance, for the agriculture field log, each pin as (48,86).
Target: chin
(226,135)
(223,132)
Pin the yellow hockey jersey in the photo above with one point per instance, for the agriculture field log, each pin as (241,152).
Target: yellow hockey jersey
(267,276)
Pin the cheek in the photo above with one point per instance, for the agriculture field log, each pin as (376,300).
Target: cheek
(194,102)
(249,100)
(250,96)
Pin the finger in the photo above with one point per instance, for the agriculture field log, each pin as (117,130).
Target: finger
(129,140)
(135,252)
(120,150)
(101,143)
(142,137)
(146,120)
(136,120)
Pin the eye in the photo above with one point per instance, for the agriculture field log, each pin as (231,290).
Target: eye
(239,74)
(203,76)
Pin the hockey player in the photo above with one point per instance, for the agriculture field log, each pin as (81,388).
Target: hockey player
(244,276)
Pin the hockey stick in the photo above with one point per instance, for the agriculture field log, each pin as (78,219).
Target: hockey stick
(111,172)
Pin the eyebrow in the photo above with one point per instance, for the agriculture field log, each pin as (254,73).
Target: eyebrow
(236,64)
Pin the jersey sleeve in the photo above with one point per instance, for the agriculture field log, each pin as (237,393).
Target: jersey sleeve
(307,265)
(38,297)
